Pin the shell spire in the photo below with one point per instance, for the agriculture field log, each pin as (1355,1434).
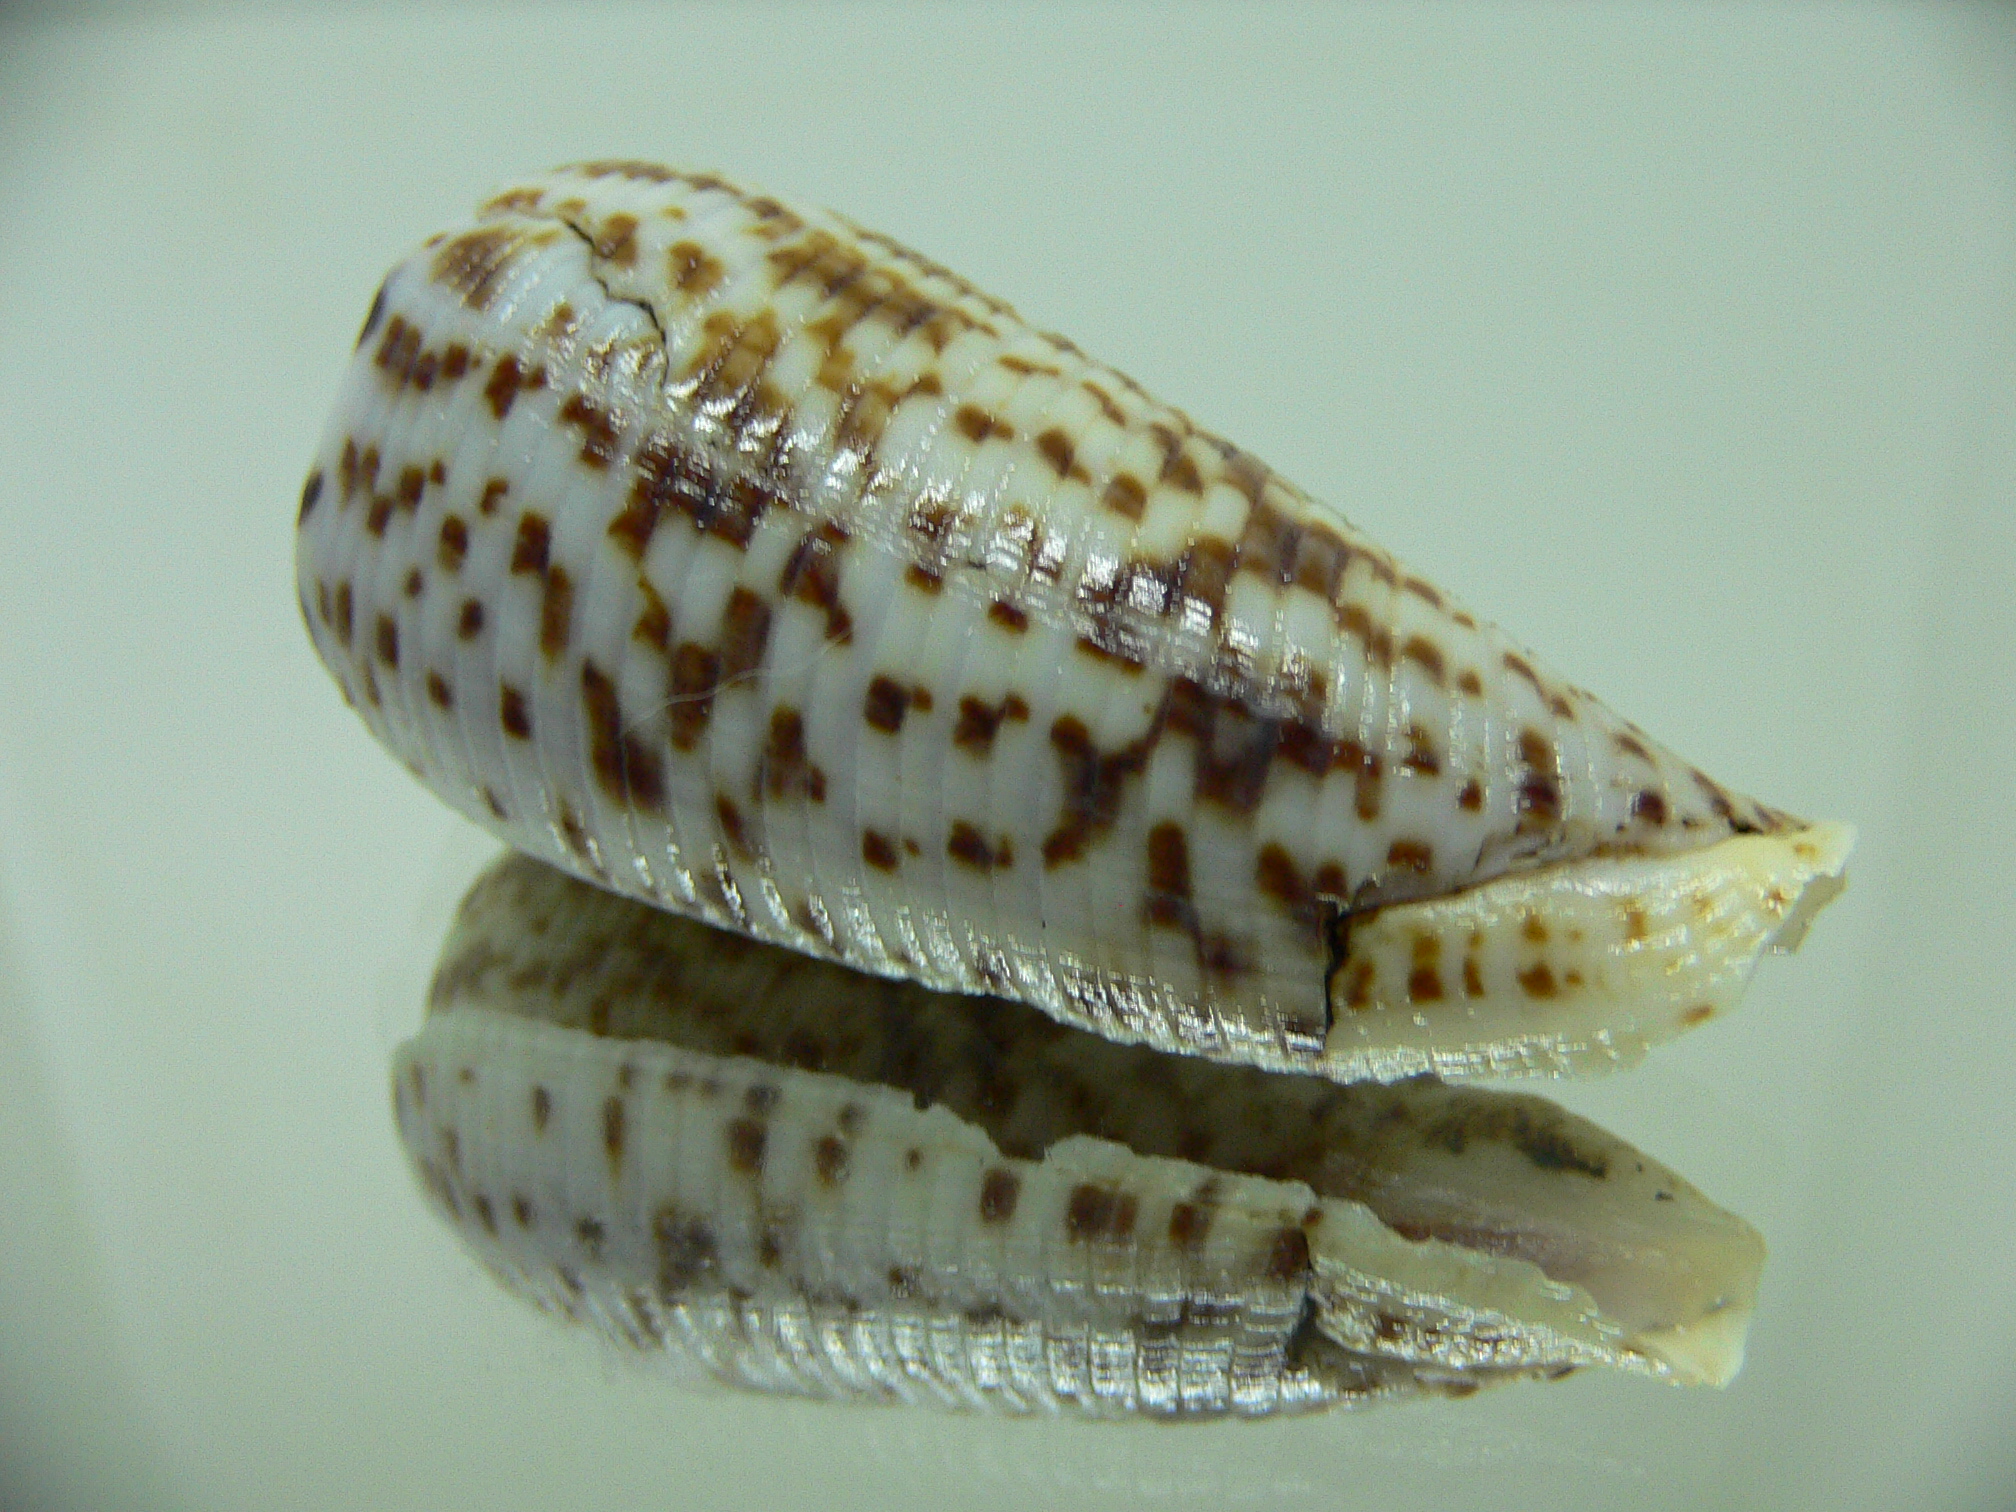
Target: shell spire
(741,560)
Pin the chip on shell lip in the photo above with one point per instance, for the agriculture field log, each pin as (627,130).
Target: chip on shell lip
(798,1178)
(1576,966)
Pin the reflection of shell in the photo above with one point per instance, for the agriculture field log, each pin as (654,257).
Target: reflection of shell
(743,561)
(801,1178)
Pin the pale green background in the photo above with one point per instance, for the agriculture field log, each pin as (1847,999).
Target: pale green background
(1681,341)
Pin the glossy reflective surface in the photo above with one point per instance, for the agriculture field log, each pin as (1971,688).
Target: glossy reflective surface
(802,1178)
(1686,343)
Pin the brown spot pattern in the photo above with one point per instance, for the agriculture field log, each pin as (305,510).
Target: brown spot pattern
(969,847)
(784,772)
(474,263)
(745,634)
(1411,855)
(694,271)
(1288,1256)
(534,541)
(746,1140)
(556,611)
(507,381)
(1008,616)
(1055,448)
(512,713)
(1539,795)
(1426,655)
(978,721)
(695,673)
(977,426)
(999,1191)
(614,1125)
(626,768)
(654,620)
(1093,784)
(1168,901)
(829,1160)
(726,810)
(1189,1223)
(667,479)
(812,575)
(1124,495)
(685,1251)
(1098,1213)
(886,703)
(597,427)
(453,545)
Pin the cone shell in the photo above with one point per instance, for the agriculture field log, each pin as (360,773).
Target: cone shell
(741,560)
